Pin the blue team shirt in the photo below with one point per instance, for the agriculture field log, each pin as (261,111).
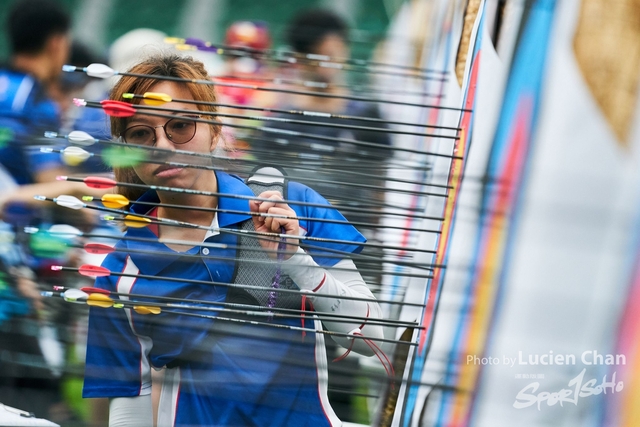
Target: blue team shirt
(219,373)
(25,113)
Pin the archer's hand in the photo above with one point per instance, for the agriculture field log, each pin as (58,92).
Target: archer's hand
(286,218)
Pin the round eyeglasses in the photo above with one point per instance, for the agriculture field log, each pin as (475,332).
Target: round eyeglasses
(179,130)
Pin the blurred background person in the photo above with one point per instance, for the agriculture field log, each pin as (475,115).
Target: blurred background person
(247,43)
(247,65)
(79,85)
(323,32)
(39,39)
(320,32)
(94,121)
(38,32)
(34,332)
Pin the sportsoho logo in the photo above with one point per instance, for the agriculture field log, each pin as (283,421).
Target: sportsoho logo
(577,388)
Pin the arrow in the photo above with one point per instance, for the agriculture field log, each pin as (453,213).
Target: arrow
(364,164)
(115,156)
(130,219)
(326,315)
(149,111)
(132,156)
(356,88)
(118,201)
(93,271)
(153,99)
(92,181)
(103,249)
(72,156)
(106,72)
(104,183)
(113,201)
(321,61)
(269,236)
(158,99)
(129,157)
(105,301)
(77,137)
(75,295)
(140,221)
(66,201)
(118,108)
(229,285)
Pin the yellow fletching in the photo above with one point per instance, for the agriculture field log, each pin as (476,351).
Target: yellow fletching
(73,156)
(115,201)
(136,221)
(99,300)
(173,40)
(156,98)
(185,47)
(143,309)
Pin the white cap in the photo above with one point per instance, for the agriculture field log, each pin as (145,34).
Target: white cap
(141,43)
(136,45)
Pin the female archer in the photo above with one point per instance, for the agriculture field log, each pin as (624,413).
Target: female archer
(222,369)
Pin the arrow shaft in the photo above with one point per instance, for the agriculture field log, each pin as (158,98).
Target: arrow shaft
(334,253)
(303,218)
(224,49)
(428,267)
(248,310)
(326,164)
(147,110)
(312,114)
(309,113)
(289,91)
(236,196)
(238,286)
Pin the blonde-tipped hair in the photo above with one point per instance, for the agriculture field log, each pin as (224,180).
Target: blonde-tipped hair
(162,65)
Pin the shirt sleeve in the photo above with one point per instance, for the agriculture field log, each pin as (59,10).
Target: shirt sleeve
(343,238)
(333,285)
(334,276)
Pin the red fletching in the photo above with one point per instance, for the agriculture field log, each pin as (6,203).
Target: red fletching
(99,182)
(118,108)
(93,271)
(98,248)
(92,290)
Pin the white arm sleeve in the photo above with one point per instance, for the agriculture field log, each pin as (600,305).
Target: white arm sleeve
(343,279)
(131,411)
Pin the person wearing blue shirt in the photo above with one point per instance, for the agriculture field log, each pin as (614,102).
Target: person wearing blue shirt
(219,368)
(38,32)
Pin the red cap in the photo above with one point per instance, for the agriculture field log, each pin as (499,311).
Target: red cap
(251,34)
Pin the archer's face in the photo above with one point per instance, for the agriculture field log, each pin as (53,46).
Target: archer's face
(203,141)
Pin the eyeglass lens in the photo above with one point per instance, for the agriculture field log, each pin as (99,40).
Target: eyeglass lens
(179,130)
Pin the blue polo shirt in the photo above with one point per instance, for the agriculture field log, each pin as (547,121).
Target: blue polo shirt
(220,373)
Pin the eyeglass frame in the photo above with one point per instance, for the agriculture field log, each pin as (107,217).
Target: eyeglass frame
(194,118)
